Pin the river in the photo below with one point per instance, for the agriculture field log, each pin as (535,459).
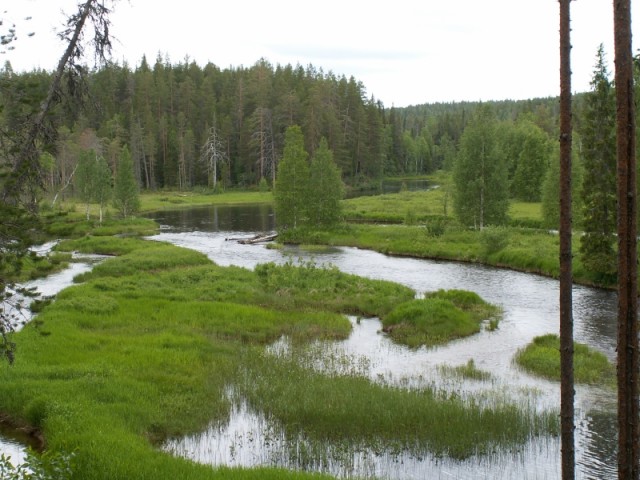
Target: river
(530,305)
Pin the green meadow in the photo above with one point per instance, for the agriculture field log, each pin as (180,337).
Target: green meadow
(146,347)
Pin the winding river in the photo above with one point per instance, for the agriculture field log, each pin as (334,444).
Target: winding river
(530,305)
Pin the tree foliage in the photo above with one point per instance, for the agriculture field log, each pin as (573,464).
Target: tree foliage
(29,123)
(126,198)
(325,188)
(480,177)
(597,245)
(292,181)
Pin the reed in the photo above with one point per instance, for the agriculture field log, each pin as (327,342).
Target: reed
(350,409)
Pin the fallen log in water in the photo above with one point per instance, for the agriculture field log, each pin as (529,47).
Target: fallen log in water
(261,237)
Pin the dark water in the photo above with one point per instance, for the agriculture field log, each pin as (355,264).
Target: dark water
(530,306)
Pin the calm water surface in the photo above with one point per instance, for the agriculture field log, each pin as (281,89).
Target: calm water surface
(530,309)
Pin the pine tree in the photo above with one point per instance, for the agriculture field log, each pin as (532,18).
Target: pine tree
(599,182)
(292,182)
(125,194)
(481,195)
(325,188)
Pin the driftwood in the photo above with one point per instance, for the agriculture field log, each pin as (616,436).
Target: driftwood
(261,237)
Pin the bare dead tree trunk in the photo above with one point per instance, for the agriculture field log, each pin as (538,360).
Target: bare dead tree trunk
(567,392)
(628,422)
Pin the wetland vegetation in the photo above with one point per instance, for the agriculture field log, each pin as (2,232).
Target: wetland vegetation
(542,357)
(147,346)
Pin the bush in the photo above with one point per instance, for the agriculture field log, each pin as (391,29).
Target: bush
(494,239)
(436,227)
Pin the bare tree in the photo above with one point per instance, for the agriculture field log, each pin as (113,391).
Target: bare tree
(213,154)
(628,422)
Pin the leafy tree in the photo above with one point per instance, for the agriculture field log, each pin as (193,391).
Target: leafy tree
(325,188)
(125,192)
(481,195)
(292,182)
(531,161)
(597,245)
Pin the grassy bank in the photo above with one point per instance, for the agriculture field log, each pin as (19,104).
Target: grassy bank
(147,346)
(528,250)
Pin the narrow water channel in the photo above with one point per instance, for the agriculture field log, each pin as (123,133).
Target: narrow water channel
(530,305)
(13,445)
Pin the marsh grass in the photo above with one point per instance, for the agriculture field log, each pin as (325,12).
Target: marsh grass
(542,357)
(395,207)
(440,317)
(350,409)
(154,201)
(327,287)
(146,348)
(528,250)
(467,371)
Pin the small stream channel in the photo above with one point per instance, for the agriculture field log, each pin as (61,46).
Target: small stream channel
(12,444)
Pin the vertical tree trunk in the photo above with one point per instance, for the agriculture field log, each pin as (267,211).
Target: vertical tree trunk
(628,422)
(567,393)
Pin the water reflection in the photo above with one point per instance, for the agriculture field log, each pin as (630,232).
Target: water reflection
(530,305)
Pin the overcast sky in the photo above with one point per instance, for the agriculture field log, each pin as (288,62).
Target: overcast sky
(405,52)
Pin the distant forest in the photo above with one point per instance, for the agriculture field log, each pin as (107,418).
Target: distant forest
(169,113)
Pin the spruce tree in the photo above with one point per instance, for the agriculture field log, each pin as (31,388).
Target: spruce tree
(325,188)
(292,182)
(599,182)
(125,193)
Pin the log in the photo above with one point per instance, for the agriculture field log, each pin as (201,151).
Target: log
(261,237)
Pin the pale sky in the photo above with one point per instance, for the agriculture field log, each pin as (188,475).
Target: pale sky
(405,52)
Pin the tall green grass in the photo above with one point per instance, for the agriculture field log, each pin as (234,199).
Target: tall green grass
(350,409)
(146,348)
(440,317)
(542,357)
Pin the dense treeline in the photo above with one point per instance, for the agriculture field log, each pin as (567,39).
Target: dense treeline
(167,114)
